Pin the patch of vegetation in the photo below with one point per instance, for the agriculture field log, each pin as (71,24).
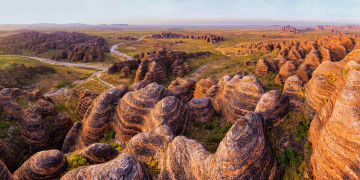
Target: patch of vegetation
(75,161)
(62,84)
(117,146)
(329,77)
(345,71)
(153,166)
(4,126)
(303,127)
(290,157)
(209,133)
(67,105)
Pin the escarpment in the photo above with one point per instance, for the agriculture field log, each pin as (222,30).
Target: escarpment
(242,154)
(334,129)
(72,46)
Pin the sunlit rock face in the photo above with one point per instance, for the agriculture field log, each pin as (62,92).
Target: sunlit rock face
(334,131)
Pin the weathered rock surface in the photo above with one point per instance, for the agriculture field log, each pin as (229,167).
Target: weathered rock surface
(334,131)
(272,106)
(202,86)
(201,109)
(293,89)
(242,154)
(5,174)
(86,97)
(43,165)
(286,71)
(262,67)
(37,128)
(99,153)
(125,166)
(147,145)
(239,96)
(97,118)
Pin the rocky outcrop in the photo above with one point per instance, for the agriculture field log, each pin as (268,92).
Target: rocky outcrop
(72,46)
(250,62)
(147,109)
(125,166)
(334,132)
(239,95)
(293,89)
(262,67)
(147,145)
(286,71)
(86,97)
(155,64)
(4,172)
(242,154)
(322,84)
(97,118)
(272,106)
(202,86)
(201,109)
(30,130)
(43,165)
(99,153)
(288,28)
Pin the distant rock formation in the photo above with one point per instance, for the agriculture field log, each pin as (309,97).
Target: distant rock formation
(15,74)
(155,65)
(128,38)
(71,46)
(288,28)
(210,38)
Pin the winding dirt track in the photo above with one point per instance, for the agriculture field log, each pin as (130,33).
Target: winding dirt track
(96,73)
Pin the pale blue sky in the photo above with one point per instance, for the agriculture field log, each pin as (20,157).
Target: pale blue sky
(180,12)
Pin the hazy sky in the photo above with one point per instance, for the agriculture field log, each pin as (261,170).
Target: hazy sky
(184,12)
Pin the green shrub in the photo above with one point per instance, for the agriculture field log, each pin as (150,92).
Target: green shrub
(117,146)
(289,157)
(152,166)
(75,161)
